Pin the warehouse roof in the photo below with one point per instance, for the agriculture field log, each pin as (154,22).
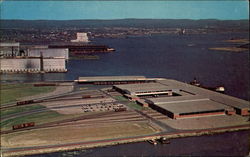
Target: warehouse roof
(191,106)
(162,100)
(218,97)
(143,88)
(111,78)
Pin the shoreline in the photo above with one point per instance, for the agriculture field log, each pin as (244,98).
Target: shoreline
(111,142)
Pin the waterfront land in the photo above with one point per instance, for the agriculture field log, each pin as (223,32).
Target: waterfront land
(12,92)
(85,117)
(242,45)
(48,31)
(66,120)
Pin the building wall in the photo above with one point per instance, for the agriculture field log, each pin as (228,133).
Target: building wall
(20,64)
(54,64)
(31,65)
(176,116)
(63,53)
(9,49)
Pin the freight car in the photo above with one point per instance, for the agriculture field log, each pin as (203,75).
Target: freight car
(86,96)
(24,125)
(120,109)
(24,102)
(89,96)
(44,84)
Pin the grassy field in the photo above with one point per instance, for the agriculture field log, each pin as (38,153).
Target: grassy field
(19,109)
(38,118)
(70,134)
(130,104)
(11,92)
(135,106)
(120,98)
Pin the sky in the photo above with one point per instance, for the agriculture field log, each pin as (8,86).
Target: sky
(168,9)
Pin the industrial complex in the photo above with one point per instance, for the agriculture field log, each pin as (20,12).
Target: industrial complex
(104,110)
(45,58)
(180,100)
(32,59)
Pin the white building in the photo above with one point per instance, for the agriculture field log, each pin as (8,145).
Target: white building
(81,37)
(9,49)
(55,53)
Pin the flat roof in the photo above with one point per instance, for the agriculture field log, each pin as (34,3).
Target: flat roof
(215,96)
(111,78)
(163,100)
(141,88)
(190,106)
(10,44)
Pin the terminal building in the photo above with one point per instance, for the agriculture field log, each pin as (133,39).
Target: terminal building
(180,100)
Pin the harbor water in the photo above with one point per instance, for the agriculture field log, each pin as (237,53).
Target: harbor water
(169,56)
(174,57)
(226,144)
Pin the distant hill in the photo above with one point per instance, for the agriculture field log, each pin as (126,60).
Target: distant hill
(145,23)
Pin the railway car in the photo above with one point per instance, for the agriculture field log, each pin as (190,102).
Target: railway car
(44,84)
(121,109)
(24,125)
(25,102)
(86,96)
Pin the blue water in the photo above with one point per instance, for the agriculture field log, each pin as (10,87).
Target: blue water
(226,144)
(170,56)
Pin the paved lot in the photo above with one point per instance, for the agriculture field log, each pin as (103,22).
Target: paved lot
(207,122)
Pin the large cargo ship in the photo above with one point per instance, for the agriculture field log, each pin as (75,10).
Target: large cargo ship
(81,49)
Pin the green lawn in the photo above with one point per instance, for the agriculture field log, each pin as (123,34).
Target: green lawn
(120,98)
(134,105)
(11,92)
(37,118)
(19,109)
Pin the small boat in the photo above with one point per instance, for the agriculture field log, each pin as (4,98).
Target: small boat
(164,140)
(154,142)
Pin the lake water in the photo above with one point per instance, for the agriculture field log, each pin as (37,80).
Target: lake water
(169,56)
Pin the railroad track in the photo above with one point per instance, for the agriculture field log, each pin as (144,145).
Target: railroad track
(43,99)
(88,119)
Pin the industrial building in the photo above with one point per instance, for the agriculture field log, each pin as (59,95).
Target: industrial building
(32,65)
(189,106)
(102,80)
(144,90)
(180,100)
(31,59)
(46,52)
(9,49)
(81,37)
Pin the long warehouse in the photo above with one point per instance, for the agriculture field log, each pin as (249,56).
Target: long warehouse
(180,100)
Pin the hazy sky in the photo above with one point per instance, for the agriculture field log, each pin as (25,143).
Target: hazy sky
(174,9)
